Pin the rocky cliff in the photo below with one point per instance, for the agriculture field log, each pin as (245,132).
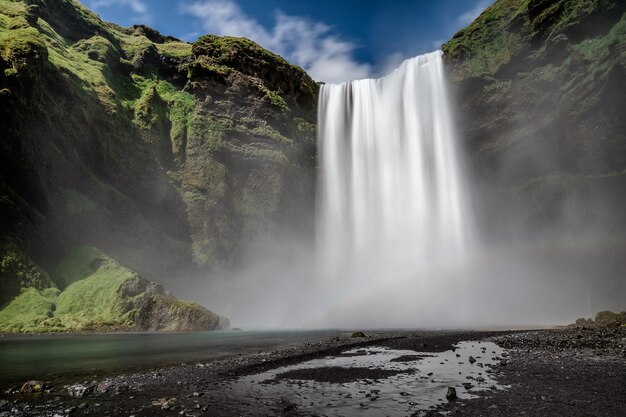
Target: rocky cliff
(170,157)
(540,87)
(541,93)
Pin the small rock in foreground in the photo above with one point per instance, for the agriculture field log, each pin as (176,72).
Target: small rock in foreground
(32,386)
(451,394)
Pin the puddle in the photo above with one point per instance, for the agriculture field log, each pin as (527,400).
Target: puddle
(377,381)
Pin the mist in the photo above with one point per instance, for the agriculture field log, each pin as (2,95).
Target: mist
(449,244)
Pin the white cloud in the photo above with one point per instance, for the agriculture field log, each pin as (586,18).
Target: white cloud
(138,7)
(312,45)
(469,16)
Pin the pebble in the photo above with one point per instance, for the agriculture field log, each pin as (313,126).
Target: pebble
(451,394)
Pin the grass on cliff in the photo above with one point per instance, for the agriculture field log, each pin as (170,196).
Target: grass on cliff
(30,311)
(90,300)
(94,302)
(485,43)
(488,42)
(79,263)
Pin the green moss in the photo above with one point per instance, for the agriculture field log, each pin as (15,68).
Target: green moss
(485,44)
(509,26)
(78,264)
(224,47)
(262,129)
(23,50)
(103,92)
(30,311)
(175,49)
(278,101)
(304,126)
(99,49)
(95,302)
(610,319)
(18,271)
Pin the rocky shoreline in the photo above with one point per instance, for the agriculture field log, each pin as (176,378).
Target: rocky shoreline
(574,372)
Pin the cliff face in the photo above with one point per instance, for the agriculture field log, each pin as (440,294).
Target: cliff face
(166,155)
(540,87)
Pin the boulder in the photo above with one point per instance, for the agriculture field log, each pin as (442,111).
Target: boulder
(609,319)
(160,312)
(451,394)
(358,334)
(32,386)
(581,322)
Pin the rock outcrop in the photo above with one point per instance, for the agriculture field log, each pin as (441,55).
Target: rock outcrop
(173,158)
(541,93)
(92,292)
(540,87)
(165,313)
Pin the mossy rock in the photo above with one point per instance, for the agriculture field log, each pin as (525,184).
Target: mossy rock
(30,311)
(165,313)
(94,302)
(248,58)
(99,49)
(23,53)
(79,263)
(609,319)
(18,271)
(101,152)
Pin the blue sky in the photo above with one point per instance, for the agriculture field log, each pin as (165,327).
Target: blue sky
(333,40)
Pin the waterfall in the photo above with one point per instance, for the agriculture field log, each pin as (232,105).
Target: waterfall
(391,200)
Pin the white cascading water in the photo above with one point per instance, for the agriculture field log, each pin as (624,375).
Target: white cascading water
(392,203)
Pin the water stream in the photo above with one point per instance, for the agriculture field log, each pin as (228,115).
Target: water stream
(378,381)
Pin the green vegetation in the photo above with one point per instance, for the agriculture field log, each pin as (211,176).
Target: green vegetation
(31,311)
(23,50)
(78,264)
(95,302)
(126,138)
(90,299)
(486,44)
(610,319)
(225,48)
(508,28)
(175,49)
(18,271)
(100,295)
(278,101)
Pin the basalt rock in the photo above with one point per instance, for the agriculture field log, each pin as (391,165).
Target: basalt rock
(165,313)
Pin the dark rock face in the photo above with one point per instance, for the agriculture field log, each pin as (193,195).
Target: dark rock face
(170,157)
(541,90)
(165,313)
